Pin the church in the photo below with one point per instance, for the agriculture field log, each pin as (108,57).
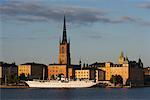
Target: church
(64,66)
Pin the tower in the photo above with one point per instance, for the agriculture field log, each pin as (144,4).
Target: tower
(64,48)
(121,58)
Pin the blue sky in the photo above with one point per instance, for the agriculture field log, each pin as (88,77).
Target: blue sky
(98,30)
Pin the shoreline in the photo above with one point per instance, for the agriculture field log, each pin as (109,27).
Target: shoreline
(6,86)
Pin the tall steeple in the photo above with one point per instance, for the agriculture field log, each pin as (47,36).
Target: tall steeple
(64,48)
(121,54)
(64,38)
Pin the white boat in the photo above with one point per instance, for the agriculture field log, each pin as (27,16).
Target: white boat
(60,84)
(63,83)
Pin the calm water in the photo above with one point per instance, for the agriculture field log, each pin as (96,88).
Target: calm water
(76,94)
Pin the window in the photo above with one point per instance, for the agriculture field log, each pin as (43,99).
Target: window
(62,49)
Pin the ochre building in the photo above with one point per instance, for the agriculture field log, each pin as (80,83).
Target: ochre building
(131,71)
(33,70)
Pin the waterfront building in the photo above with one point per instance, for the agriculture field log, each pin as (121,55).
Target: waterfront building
(1,73)
(64,66)
(147,71)
(100,75)
(90,74)
(33,70)
(7,71)
(83,74)
(146,75)
(130,71)
(57,69)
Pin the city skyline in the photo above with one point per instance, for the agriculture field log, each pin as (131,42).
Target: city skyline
(98,30)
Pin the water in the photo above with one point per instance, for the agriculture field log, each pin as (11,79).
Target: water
(76,94)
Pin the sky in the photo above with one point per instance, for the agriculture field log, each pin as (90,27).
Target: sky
(98,30)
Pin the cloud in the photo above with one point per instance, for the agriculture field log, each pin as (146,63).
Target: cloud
(134,20)
(39,12)
(144,5)
(129,18)
(35,12)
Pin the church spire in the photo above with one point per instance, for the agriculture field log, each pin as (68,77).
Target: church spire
(121,54)
(64,39)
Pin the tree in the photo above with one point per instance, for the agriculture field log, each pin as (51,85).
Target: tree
(117,79)
(23,77)
(15,79)
(8,76)
(52,77)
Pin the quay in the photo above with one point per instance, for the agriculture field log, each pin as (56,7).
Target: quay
(6,86)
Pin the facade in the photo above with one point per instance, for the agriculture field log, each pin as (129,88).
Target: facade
(115,69)
(24,68)
(33,70)
(100,75)
(146,75)
(68,71)
(64,66)
(55,69)
(7,70)
(0,72)
(90,74)
(82,74)
(147,71)
(131,71)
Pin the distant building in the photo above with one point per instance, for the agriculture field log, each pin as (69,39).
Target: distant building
(55,69)
(7,70)
(100,75)
(146,75)
(83,74)
(33,70)
(90,74)
(0,73)
(147,71)
(66,70)
(131,71)
(64,66)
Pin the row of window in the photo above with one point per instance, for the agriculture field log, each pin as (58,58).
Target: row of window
(23,70)
(82,72)
(83,75)
(56,71)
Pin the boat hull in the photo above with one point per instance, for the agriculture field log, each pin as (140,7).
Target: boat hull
(59,84)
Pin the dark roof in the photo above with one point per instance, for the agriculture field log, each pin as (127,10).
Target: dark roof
(3,64)
(96,64)
(65,64)
(33,63)
(57,64)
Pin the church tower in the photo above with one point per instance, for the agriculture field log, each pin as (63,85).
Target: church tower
(64,48)
(121,58)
